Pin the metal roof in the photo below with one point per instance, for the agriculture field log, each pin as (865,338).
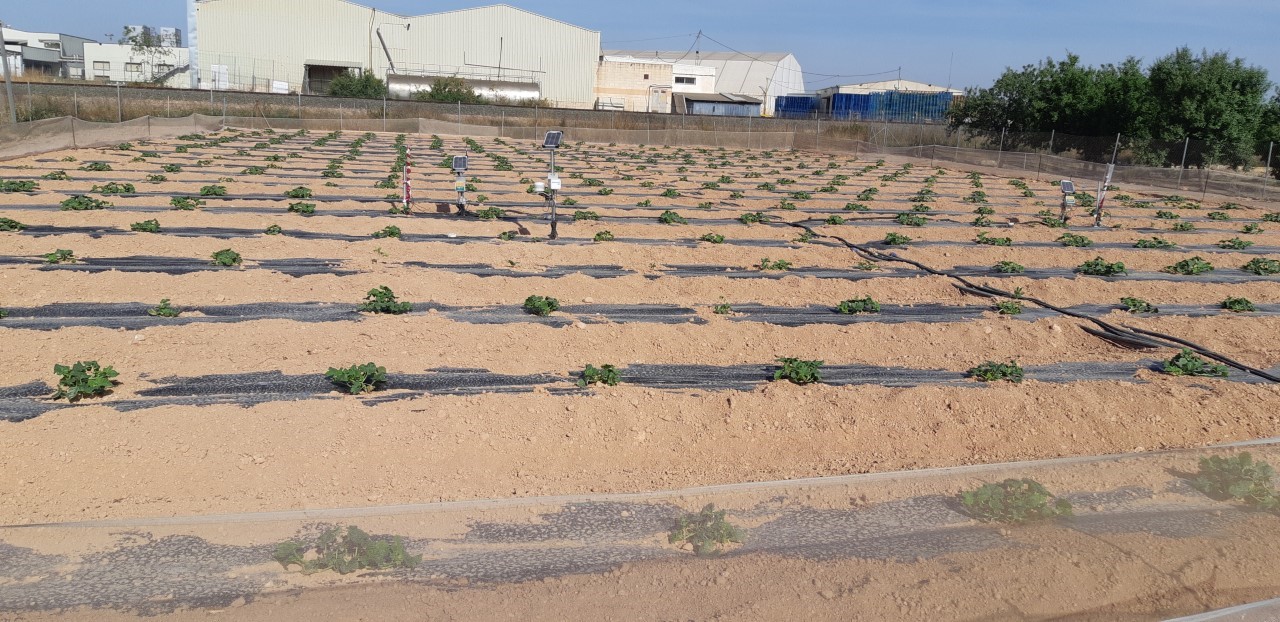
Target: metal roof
(748,72)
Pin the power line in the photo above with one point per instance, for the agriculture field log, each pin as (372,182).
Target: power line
(652,39)
(805,73)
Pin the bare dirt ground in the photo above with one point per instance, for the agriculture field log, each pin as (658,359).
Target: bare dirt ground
(107,458)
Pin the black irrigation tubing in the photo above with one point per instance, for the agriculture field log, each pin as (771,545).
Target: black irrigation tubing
(1125,335)
(27,401)
(134,316)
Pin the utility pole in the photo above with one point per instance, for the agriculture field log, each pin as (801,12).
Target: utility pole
(8,81)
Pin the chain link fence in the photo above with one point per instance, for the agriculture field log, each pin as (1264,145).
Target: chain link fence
(68,115)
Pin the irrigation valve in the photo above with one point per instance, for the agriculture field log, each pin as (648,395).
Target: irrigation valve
(1068,188)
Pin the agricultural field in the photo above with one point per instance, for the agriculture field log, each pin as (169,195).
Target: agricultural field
(248,321)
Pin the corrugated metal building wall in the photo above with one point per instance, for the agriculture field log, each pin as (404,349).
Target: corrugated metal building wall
(259,41)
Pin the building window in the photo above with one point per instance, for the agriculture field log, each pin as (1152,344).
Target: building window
(101,69)
(646,76)
(133,71)
(684,80)
(52,45)
(163,69)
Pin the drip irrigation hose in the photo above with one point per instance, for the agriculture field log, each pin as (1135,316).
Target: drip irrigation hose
(1108,330)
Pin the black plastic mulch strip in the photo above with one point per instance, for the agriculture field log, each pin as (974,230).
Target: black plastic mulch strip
(1127,246)
(134,315)
(551,272)
(24,402)
(1217,276)
(177,266)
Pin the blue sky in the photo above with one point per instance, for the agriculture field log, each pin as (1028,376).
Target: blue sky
(832,37)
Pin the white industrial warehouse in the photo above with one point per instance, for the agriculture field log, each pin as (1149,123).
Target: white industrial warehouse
(299,46)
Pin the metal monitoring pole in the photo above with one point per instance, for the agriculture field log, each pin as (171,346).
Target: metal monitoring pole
(8,80)
(1186,145)
(1266,174)
(1102,189)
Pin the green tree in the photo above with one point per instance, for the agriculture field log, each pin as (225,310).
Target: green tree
(365,86)
(1270,133)
(1211,98)
(149,50)
(450,90)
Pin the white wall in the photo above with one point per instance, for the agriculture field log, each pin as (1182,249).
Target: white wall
(117,57)
(704,78)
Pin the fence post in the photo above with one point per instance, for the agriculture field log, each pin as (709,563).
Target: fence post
(502,125)
(1186,145)
(73,132)
(384,111)
(299,106)
(119,106)
(224,111)
(75,104)
(1266,175)
(535,120)
(167,114)
(1204,187)
(817,134)
(648,129)
(148,126)
(1000,155)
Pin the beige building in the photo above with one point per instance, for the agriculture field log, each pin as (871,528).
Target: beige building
(253,44)
(762,76)
(647,84)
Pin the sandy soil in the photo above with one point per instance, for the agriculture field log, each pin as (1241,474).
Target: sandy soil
(324,453)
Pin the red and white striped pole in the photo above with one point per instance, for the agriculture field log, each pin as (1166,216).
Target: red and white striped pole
(408,170)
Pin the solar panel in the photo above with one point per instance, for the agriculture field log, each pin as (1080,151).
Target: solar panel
(553,140)
(459,164)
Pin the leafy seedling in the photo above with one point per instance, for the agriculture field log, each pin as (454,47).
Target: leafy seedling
(910,219)
(1188,363)
(9,224)
(1183,226)
(146,226)
(1101,267)
(753,218)
(1238,478)
(585,215)
(603,236)
(213,191)
(1234,244)
(226,257)
(383,300)
(61,255)
(671,218)
(983,238)
(96,166)
(1138,305)
(799,371)
(1076,240)
(306,209)
(83,379)
(541,306)
(780,264)
(1262,266)
(273,230)
(1189,267)
(358,379)
(1015,502)
(1009,267)
(991,371)
(896,239)
(1239,305)
(164,309)
(185,203)
(19,186)
(723,308)
(1009,307)
(56,176)
(345,553)
(1252,228)
(706,531)
(81,203)
(713,238)
(592,375)
(301,192)
(1154,242)
(389,231)
(489,213)
(858,305)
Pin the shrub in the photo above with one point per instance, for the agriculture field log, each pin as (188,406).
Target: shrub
(358,379)
(390,231)
(1234,244)
(1192,266)
(1009,307)
(305,209)
(1009,267)
(1078,241)
(61,255)
(896,239)
(383,300)
(605,374)
(226,257)
(1187,363)
(1100,267)
(780,264)
(146,226)
(983,238)
(992,372)
(671,218)
(164,309)
(301,192)
(858,305)
(213,191)
(799,371)
(1138,305)
(1239,305)
(83,379)
(1238,478)
(1014,501)
(1154,242)
(585,215)
(80,203)
(714,238)
(1262,267)
(185,203)
(707,531)
(911,220)
(541,306)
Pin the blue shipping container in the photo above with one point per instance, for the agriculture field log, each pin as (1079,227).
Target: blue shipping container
(892,106)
